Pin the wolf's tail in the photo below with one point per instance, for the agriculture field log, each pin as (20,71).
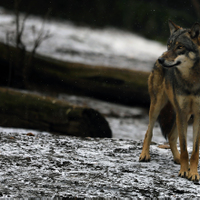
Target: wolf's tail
(167,119)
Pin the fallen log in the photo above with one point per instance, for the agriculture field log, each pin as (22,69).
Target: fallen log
(31,111)
(111,84)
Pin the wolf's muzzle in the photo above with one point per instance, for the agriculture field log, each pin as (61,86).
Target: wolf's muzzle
(161,60)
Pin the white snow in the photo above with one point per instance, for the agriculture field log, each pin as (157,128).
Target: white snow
(22,131)
(107,46)
(50,165)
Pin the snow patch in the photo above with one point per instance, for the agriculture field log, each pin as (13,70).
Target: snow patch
(109,46)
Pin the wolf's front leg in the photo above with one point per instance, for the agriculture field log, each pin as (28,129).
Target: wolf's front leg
(155,108)
(181,120)
(145,156)
(194,160)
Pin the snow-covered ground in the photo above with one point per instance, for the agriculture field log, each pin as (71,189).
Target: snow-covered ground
(59,167)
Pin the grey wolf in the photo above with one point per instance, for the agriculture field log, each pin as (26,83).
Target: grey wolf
(174,88)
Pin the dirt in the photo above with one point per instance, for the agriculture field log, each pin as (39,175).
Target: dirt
(60,167)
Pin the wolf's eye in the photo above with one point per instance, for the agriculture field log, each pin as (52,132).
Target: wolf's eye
(180,47)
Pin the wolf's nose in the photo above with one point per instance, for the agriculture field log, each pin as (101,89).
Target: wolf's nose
(161,60)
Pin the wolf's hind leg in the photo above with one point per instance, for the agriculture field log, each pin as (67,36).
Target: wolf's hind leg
(194,160)
(181,122)
(172,137)
(155,107)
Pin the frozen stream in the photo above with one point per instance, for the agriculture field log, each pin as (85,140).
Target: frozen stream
(109,46)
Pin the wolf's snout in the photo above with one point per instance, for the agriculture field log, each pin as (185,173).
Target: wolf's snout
(161,60)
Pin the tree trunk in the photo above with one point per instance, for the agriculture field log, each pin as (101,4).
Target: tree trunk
(23,110)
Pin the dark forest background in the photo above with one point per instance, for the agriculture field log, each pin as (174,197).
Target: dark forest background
(146,17)
(30,71)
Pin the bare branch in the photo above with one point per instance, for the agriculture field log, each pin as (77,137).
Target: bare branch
(19,30)
(22,67)
(7,38)
(23,25)
(17,2)
(42,36)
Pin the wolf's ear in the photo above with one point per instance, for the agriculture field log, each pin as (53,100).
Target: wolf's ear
(195,30)
(173,27)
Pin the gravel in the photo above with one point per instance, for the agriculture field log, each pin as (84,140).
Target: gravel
(58,167)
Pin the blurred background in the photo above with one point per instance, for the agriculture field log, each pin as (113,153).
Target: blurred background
(84,51)
(145,17)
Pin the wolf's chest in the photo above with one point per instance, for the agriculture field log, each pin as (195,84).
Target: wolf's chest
(183,85)
(190,103)
(187,88)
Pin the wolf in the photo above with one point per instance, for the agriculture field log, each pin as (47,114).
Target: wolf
(174,88)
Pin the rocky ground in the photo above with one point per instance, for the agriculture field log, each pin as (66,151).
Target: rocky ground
(50,166)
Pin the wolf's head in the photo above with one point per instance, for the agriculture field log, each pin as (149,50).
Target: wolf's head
(183,47)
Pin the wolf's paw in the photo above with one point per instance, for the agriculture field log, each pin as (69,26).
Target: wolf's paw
(144,157)
(193,176)
(183,173)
